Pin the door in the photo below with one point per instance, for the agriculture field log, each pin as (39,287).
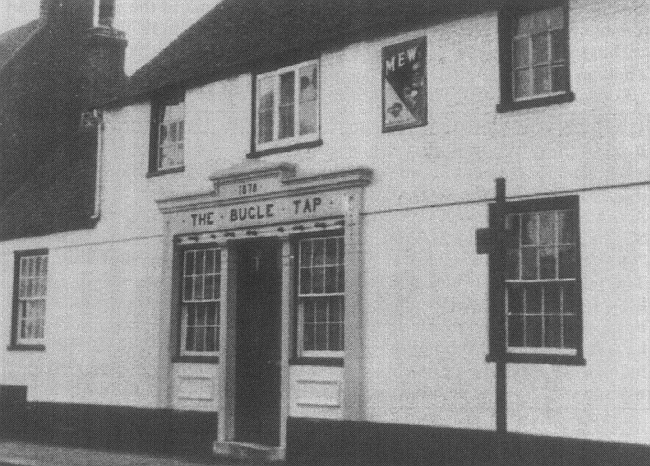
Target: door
(258,348)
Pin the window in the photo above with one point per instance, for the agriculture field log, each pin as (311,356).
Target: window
(167,134)
(287,106)
(29,299)
(201,302)
(542,282)
(535,58)
(321,297)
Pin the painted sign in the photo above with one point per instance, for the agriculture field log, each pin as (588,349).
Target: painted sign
(404,84)
(265,212)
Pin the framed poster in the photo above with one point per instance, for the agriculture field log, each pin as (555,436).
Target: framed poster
(404,85)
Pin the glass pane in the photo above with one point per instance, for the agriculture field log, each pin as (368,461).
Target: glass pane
(209,261)
(198,288)
(265,109)
(547,263)
(308,337)
(319,252)
(552,297)
(540,48)
(552,332)
(189,262)
(22,288)
(533,300)
(567,262)
(330,251)
(521,52)
(318,281)
(556,18)
(512,267)
(516,330)
(336,309)
(305,253)
(210,339)
(330,280)
(198,264)
(341,279)
(200,314)
(308,117)
(217,286)
(515,300)
(309,314)
(308,76)
(570,332)
(210,315)
(513,226)
(189,339)
(286,122)
(529,263)
(181,130)
(321,310)
(265,127)
(547,228)
(173,132)
(534,331)
(559,79)
(522,83)
(208,288)
(529,229)
(569,299)
(340,250)
(199,334)
(321,337)
(566,227)
(305,281)
(542,80)
(191,314)
(335,337)
(287,88)
(187,289)
(558,46)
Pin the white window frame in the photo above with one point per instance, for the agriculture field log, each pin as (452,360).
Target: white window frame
(275,141)
(301,351)
(531,66)
(31,279)
(186,301)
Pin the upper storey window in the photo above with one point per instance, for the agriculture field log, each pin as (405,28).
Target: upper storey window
(535,58)
(287,107)
(30,293)
(167,134)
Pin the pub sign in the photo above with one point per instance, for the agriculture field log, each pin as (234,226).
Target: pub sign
(404,82)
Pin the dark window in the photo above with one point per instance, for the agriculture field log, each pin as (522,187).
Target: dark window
(30,296)
(541,293)
(534,47)
(167,141)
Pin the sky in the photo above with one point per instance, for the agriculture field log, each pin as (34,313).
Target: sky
(149,24)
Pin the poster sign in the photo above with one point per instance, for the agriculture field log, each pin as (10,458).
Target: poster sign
(405,84)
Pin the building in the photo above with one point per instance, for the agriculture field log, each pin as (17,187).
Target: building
(293,254)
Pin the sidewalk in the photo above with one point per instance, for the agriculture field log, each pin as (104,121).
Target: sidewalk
(20,453)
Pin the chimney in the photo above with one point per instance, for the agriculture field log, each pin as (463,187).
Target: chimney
(105,52)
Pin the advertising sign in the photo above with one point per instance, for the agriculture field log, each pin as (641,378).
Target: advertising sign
(405,85)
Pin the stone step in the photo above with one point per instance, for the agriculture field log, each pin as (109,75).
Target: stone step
(248,451)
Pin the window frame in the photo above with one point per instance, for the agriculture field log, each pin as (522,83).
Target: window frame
(499,350)
(158,102)
(314,357)
(295,142)
(508,17)
(181,355)
(17,343)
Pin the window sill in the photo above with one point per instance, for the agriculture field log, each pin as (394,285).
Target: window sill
(328,362)
(165,172)
(19,347)
(197,359)
(505,107)
(524,358)
(289,148)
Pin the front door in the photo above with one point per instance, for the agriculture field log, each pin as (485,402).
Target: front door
(258,349)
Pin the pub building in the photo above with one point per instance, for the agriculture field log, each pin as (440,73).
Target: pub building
(408,232)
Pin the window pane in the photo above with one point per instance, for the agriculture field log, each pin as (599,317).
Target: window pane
(308,337)
(540,48)
(321,337)
(210,339)
(305,253)
(330,251)
(547,228)
(309,314)
(569,304)
(529,263)
(552,299)
(286,122)
(265,109)
(287,88)
(558,46)
(318,282)
(567,262)
(198,263)
(533,300)
(330,280)
(208,287)
(566,227)
(305,281)
(521,52)
(287,105)
(547,263)
(534,331)
(570,331)
(559,78)
(522,83)
(512,267)
(552,332)
(542,80)
(335,337)
(529,229)
(556,18)
(516,330)
(321,306)
(308,111)
(209,261)
(515,300)
(319,251)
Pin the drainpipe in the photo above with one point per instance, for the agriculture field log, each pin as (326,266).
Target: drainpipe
(100,163)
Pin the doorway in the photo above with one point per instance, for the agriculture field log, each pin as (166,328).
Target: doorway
(258,342)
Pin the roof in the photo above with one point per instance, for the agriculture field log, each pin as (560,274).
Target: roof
(12,40)
(238,34)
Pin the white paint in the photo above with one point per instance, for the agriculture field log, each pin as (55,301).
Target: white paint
(424,289)
(196,387)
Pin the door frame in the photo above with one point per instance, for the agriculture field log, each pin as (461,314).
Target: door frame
(226,430)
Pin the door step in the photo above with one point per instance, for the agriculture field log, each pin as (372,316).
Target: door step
(248,451)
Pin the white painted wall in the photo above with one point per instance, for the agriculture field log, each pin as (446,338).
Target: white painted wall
(424,287)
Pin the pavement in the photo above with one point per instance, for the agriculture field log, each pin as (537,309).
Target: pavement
(19,453)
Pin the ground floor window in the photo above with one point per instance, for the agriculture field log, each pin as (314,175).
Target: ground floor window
(542,283)
(201,302)
(321,303)
(30,297)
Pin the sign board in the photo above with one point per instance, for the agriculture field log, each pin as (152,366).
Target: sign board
(404,85)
